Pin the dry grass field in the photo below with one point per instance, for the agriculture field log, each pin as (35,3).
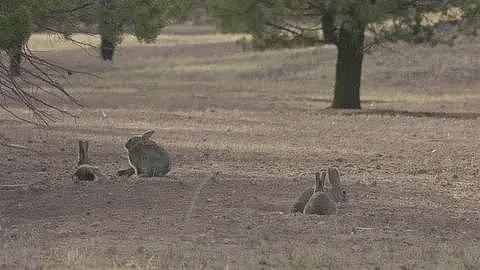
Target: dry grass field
(246,131)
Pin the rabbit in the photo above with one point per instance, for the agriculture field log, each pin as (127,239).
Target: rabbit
(85,171)
(147,157)
(301,201)
(337,192)
(320,203)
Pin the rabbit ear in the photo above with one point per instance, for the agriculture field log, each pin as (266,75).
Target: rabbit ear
(334,176)
(147,134)
(322,181)
(319,182)
(83,152)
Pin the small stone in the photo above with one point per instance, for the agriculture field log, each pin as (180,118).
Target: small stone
(141,250)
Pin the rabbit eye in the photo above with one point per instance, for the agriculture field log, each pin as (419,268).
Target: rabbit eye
(344,192)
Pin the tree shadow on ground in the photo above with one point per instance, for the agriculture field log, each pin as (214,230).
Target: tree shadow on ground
(329,100)
(393,112)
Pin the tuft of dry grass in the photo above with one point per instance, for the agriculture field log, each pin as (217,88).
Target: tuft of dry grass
(187,256)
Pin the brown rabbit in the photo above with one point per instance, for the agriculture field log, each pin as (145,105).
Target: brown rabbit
(146,157)
(85,171)
(337,192)
(301,201)
(320,202)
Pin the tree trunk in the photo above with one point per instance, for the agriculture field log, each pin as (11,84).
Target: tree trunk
(107,48)
(349,68)
(15,56)
(108,29)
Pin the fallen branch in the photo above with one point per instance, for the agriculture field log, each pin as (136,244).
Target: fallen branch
(17,146)
(364,229)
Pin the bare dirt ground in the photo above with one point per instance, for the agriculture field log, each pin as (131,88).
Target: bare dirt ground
(246,131)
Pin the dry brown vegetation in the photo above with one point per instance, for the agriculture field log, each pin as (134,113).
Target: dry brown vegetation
(246,131)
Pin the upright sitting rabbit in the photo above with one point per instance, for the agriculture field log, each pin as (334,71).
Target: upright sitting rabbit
(147,157)
(85,171)
(320,202)
(337,192)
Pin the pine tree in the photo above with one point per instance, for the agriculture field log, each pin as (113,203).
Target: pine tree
(343,23)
